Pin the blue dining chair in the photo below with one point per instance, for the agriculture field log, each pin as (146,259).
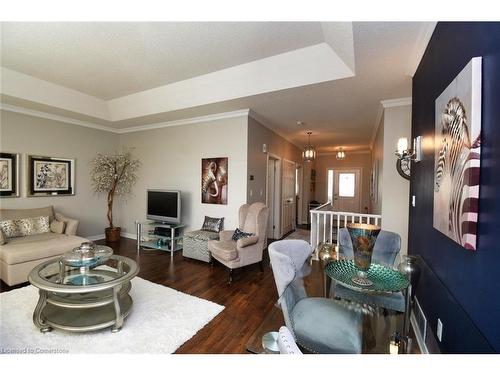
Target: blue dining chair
(385,251)
(320,325)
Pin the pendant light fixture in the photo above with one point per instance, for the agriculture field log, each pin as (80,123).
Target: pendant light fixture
(309,153)
(341,154)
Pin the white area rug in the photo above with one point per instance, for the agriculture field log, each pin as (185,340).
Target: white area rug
(161,320)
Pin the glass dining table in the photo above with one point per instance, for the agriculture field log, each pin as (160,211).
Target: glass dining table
(384,281)
(319,279)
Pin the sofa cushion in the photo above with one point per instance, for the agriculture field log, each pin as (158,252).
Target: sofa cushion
(57,226)
(38,246)
(225,250)
(202,235)
(12,214)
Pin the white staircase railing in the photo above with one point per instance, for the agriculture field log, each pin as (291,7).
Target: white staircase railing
(326,223)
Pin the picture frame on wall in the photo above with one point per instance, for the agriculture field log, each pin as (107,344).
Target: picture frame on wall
(457,156)
(214,180)
(50,176)
(9,175)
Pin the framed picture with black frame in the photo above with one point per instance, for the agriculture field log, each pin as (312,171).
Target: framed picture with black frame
(50,176)
(9,175)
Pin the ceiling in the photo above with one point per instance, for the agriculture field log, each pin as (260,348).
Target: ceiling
(331,76)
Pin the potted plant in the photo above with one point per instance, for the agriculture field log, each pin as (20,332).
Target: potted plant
(113,175)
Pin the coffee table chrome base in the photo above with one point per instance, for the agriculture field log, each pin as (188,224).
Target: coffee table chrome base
(82,319)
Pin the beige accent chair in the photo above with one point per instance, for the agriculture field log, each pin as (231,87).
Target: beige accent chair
(21,254)
(245,251)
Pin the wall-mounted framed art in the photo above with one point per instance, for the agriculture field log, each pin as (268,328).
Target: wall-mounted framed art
(214,179)
(9,175)
(458,157)
(50,176)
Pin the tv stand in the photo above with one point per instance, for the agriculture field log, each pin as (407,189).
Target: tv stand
(149,238)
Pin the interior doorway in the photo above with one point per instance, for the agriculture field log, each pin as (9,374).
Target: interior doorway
(288,196)
(299,183)
(273,196)
(344,189)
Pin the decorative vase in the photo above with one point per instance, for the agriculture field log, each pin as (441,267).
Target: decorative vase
(113,234)
(363,237)
(411,268)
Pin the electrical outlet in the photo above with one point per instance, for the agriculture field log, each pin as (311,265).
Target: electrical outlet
(439,331)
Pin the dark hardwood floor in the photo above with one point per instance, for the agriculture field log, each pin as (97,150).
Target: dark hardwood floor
(247,300)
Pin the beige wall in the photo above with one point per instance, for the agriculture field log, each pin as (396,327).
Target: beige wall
(394,189)
(171,159)
(378,163)
(361,160)
(32,135)
(258,134)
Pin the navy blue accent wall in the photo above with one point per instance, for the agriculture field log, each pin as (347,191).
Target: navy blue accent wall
(459,286)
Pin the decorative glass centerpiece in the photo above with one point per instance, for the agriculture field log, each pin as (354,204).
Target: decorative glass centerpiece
(363,237)
(85,257)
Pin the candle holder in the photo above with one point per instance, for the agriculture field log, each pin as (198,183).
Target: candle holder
(363,237)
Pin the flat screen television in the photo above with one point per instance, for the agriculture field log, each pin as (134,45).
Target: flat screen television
(164,206)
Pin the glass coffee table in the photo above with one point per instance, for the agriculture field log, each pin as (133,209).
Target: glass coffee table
(82,299)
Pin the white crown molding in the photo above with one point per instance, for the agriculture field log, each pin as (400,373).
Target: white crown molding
(388,103)
(96,238)
(159,125)
(421,43)
(399,102)
(192,120)
(51,116)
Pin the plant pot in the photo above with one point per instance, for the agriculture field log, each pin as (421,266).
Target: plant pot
(113,234)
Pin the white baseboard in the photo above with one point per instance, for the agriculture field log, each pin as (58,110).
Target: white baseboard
(96,238)
(132,236)
(420,341)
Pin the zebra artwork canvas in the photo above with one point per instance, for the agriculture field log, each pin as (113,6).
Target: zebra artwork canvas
(457,157)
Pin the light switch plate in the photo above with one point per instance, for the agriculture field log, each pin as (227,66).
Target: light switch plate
(439,331)
(413,199)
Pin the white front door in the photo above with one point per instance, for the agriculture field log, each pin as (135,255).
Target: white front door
(288,196)
(346,190)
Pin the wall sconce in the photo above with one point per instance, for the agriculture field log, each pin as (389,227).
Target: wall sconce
(403,152)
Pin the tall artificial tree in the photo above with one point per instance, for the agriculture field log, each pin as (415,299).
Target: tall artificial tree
(113,175)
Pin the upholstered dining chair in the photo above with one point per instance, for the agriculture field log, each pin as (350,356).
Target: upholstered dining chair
(320,325)
(385,251)
(246,250)
(286,342)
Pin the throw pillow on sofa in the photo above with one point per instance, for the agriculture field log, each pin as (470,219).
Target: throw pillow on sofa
(240,234)
(3,238)
(213,224)
(25,227)
(57,226)
(9,228)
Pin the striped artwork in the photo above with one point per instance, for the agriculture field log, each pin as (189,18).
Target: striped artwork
(457,157)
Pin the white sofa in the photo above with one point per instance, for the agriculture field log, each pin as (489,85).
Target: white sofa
(21,254)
